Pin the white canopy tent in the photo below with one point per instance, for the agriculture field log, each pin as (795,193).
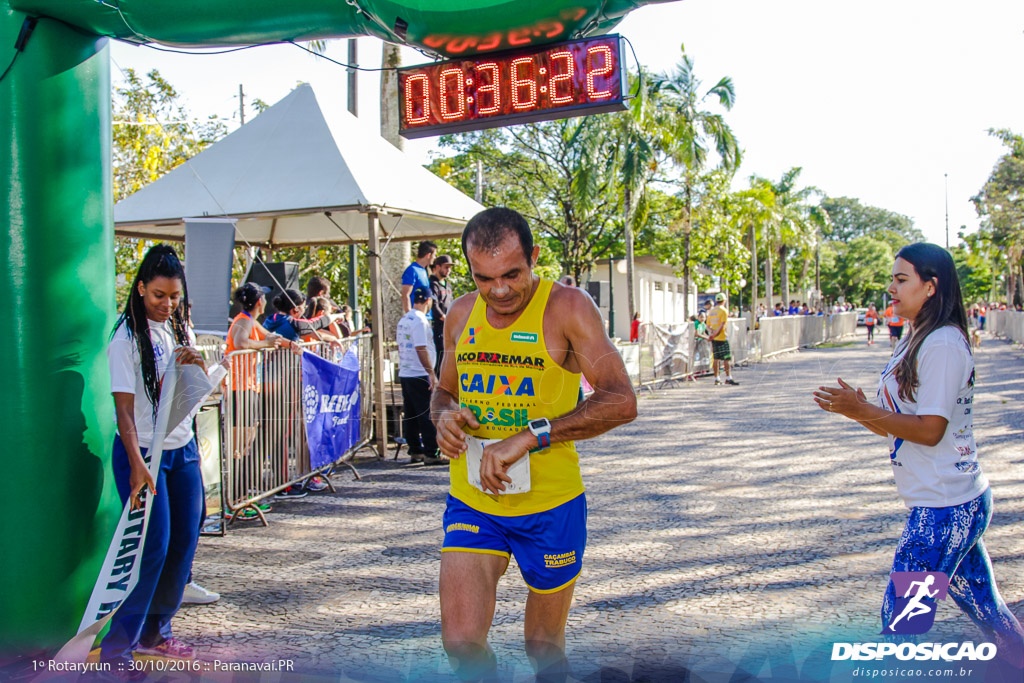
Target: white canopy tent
(278,174)
(294,176)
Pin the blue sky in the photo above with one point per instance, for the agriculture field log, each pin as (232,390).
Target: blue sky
(874,99)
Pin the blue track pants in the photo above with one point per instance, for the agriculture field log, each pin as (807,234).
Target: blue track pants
(145,615)
(949,540)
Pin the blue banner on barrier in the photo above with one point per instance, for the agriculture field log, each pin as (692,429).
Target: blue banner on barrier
(330,406)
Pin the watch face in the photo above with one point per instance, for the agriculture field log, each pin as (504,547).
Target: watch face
(541,424)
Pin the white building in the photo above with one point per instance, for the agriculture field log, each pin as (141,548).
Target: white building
(659,292)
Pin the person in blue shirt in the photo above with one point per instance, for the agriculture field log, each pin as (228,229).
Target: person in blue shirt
(416,277)
(288,322)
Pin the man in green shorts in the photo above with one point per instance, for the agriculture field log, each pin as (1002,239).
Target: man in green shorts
(718,317)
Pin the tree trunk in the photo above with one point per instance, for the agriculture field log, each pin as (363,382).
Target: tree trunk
(1018,289)
(753,270)
(630,286)
(769,282)
(686,252)
(1010,281)
(784,274)
(817,270)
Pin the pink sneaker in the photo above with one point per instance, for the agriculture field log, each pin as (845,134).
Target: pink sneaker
(172,648)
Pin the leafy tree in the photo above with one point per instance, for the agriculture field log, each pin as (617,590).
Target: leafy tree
(752,215)
(561,175)
(153,133)
(858,270)
(716,242)
(1000,204)
(794,221)
(981,255)
(852,219)
(974,274)
(638,159)
(692,130)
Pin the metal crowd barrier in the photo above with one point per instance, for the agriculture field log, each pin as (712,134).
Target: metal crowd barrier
(1006,324)
(264,436)
(669,352)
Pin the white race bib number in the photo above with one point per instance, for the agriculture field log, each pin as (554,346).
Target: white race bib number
(519,473)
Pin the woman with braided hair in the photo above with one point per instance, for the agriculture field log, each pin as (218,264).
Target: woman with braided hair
(149,335)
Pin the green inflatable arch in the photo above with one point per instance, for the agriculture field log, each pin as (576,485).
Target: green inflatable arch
(58,245)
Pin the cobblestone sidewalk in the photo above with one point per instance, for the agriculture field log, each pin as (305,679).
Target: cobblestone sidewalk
(729,528)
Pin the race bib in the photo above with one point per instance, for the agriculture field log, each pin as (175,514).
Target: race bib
(519,473)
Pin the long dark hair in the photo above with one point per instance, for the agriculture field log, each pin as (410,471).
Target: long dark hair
(160,261)
(945,307)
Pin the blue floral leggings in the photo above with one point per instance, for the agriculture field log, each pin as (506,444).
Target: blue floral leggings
(949,540)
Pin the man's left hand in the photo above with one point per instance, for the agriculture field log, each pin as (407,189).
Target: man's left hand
(498,457)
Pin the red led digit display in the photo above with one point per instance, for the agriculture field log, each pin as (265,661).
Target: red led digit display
(534,84)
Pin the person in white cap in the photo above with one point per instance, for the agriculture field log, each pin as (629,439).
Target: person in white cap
(718,317)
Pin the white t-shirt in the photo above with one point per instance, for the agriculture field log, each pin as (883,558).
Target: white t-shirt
(414,330)
(126,377)
(948,473)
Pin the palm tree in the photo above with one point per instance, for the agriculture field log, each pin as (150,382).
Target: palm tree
(753,210)
(637,159)
(795,228)
(692,129)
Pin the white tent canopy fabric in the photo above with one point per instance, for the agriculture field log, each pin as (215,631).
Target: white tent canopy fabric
(278,174)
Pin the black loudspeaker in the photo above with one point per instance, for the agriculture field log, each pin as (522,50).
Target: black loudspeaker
(598,290)
(269,275)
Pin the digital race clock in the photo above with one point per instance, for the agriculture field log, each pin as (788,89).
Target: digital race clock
(491,90)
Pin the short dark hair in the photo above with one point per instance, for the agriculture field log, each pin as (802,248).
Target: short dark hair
(426,247)
(317,285)
(489,227)
(288,299)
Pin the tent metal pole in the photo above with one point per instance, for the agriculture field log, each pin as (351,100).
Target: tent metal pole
(377,312)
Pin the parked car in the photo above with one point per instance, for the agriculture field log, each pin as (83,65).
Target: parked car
(860,316)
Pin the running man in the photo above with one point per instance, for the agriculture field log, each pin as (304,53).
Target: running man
(915,607)
(514,352)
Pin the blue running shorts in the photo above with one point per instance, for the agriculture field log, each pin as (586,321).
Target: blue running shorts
(547,545)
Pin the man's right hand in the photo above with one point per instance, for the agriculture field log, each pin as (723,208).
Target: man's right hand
(450,436)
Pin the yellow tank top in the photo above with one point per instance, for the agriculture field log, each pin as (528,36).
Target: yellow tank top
(507,378)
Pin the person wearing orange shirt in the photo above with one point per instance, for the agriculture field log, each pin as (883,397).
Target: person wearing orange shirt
(895,324)
(870,320)
(245,379)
